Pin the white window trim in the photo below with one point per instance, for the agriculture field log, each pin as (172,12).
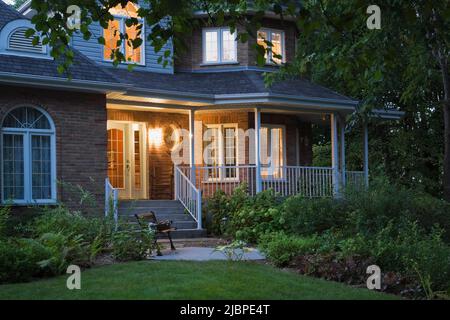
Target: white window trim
(219,47)
(121,19)
(27,133)
(5,34)
(269,31)
(283,132)
(221,146)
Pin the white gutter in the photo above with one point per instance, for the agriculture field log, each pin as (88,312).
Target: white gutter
(61,83)
(387,114)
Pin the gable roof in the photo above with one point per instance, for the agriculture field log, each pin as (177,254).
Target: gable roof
(84,73)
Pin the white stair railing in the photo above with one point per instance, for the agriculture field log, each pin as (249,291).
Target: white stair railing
(111,201)
(189,196)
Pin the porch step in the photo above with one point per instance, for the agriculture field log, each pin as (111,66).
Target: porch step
(165,210)
(188,234)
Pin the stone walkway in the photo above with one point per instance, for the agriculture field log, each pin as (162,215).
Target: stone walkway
(204,254)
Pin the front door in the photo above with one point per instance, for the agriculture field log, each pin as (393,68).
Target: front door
(126,159)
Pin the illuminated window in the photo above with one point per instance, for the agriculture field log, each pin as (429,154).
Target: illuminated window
(118,26)
(220,149)
(219,45)
(272,151)
(276,38)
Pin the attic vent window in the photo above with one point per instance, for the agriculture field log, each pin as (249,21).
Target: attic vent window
(19,42)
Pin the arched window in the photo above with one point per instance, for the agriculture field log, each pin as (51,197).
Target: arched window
(28,156)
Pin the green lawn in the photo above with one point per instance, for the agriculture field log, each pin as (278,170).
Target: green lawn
(187,280)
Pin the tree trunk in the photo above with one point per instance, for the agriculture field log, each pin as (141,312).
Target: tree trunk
(446,106)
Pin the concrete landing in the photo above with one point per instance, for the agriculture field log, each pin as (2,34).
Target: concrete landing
(204,254)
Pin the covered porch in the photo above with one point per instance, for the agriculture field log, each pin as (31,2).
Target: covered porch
(213,132)
(286,175)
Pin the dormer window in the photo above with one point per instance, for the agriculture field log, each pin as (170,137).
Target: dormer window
(13,41)
(118,26)
(276,38)
(219,46)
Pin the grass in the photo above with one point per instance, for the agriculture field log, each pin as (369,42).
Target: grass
(188,280)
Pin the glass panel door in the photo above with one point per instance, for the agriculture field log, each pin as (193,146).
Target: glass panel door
(116,155)
(126,159)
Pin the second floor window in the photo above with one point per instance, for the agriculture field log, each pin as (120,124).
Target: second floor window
(276,38)
(118,26)
(219,45)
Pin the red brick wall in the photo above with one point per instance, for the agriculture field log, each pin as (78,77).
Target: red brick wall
(80,121)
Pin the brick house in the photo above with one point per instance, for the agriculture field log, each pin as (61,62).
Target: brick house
(119,134)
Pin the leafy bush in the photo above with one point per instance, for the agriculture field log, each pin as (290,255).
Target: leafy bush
(306,216)
(65,250)
(281,248)
(383,203)
(255,217)
(20,258)
(60,219)
(129,244)
(221,207)
(4,215)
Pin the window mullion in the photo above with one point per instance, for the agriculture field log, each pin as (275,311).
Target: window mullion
(27,167)
(219,45)
(123,31)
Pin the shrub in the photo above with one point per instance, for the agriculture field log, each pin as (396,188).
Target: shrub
(306,216)
(65,250)
(221,207)
(255,217)
(281,248)
(19,259)
(129,244)
(383,203)
(61,219)
(4,215)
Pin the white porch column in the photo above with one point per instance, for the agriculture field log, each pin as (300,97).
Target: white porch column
(192,144)
(335,153)
(366,153)
(342,142)
(258,150)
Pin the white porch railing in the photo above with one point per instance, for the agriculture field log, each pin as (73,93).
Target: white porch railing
(189,196)
(286,180)
(111,201)
(209,179)
(355,179)
(291,180)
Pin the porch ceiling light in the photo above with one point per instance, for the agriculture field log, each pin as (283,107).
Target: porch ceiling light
(155,136)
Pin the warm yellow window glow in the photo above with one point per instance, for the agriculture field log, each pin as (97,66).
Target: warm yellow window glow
(116,27)
(276,38)
(155,136)
(111,35)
